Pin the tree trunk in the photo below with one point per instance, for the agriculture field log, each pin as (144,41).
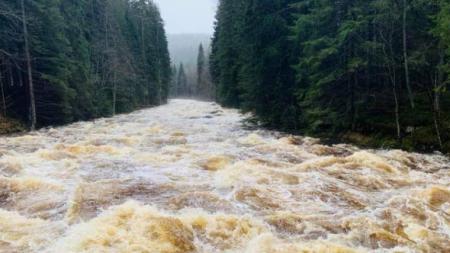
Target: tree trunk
(114,94)
(437,128)
(436,98)
(3,95)
(405,55)
(11,78)
(397,113)
(393,80)
(393,75)
(29,70)
(104,57)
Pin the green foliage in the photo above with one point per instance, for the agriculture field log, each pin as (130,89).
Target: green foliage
(251,59)
(200,65)
(329,68)
(204,89)
(182,85)
(89,58)
(225,53)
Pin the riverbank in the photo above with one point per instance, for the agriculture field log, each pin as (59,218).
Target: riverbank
(421,141)
(11,126)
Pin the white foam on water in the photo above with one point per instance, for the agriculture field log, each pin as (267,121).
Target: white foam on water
(188,177)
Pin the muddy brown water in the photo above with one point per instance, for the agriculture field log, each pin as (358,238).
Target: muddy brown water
(188,177)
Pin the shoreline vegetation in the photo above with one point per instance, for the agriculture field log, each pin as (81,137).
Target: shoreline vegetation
(375,74)
(410,143)
(371,72)
(65,61)
(11,127)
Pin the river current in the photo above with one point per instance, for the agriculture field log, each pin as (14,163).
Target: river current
(190,177)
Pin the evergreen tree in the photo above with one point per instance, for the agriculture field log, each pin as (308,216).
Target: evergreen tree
(338,69)
(205,89)
(174,82)
(86,59)
(225,51)
(183,89)
(201,89)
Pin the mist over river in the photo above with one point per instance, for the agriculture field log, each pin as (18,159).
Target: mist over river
(188,177)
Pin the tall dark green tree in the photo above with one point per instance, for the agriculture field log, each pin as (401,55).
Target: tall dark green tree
(201,69)
(204,89)
(183,89)
(361,70)
(226,46)
(87,58)
(174,82)
(251,58)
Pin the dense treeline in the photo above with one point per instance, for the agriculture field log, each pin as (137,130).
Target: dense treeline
(65,60)
(193,83)
(373,71)
(205,87)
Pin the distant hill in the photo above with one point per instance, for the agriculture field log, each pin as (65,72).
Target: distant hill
(184,47)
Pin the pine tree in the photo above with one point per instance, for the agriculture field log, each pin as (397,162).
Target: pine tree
(183,89)
(201,89)
(174,82)
(225,50)
(377,68)
(87,58)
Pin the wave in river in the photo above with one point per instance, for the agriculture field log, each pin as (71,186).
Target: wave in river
(188,177)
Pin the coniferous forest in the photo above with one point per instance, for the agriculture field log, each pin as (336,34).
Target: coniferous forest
(193,83)
(372,72)
(375,72)
(64,60)
(269,126)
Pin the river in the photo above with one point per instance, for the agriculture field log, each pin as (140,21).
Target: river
(189,177)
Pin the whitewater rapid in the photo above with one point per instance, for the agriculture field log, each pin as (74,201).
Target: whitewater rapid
(190,177)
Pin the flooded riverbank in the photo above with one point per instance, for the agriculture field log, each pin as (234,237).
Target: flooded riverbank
(187,177)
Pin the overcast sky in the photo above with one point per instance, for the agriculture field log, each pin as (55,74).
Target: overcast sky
(188,16)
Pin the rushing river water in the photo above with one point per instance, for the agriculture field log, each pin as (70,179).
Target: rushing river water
(188,177)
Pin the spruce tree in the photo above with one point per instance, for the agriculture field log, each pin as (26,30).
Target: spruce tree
(183,89)
(201,89)
(88,58)
(376,68)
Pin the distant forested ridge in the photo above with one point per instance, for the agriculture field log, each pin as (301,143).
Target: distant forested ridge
(373,71)
(65,60)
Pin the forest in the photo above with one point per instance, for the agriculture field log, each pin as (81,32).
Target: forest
(63,60)
(280,126)
(372,72)
(375,72)
(197,83)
